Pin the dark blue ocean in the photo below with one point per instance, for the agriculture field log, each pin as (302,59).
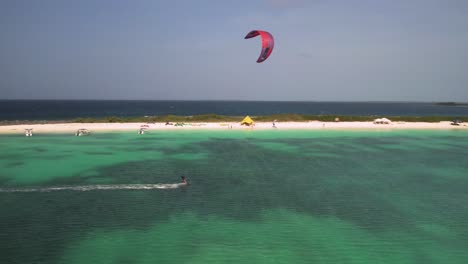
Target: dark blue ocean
(67,109)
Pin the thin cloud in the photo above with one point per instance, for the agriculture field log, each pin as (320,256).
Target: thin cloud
(306,55)
(285,3)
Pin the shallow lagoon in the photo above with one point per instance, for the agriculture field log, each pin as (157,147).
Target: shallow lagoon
(268,196)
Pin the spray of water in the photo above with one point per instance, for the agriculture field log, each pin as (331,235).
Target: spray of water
(86,188)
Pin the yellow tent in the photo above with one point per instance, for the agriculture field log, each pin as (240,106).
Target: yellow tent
(247,121)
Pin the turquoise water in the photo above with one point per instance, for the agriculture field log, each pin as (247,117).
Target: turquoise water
(255,197)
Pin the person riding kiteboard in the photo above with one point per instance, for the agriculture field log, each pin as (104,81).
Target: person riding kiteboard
(183,179)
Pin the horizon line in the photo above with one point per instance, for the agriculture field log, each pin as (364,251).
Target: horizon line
(236,100)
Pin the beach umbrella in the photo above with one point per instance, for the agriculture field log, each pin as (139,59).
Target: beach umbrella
(247,121)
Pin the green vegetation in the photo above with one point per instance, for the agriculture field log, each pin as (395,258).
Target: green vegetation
(267,118)
(221,118)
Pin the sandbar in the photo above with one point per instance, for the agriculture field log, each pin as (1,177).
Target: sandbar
(115,127)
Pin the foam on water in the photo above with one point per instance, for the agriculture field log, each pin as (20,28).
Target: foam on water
(85,188)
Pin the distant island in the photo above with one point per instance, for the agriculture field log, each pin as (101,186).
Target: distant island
(451,104)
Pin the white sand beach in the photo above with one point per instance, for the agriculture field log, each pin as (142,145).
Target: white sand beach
(109,127)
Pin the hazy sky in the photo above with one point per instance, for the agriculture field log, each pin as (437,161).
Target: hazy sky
(349,50)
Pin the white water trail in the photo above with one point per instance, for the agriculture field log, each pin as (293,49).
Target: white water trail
(103,187)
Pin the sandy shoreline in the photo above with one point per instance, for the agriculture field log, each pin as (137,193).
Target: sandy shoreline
(109,127)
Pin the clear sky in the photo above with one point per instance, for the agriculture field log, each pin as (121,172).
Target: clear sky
(325,50)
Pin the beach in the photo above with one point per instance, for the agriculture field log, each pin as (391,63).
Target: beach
(109,127)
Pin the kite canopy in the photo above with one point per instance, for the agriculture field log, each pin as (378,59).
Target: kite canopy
(267,43)
(247,121)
